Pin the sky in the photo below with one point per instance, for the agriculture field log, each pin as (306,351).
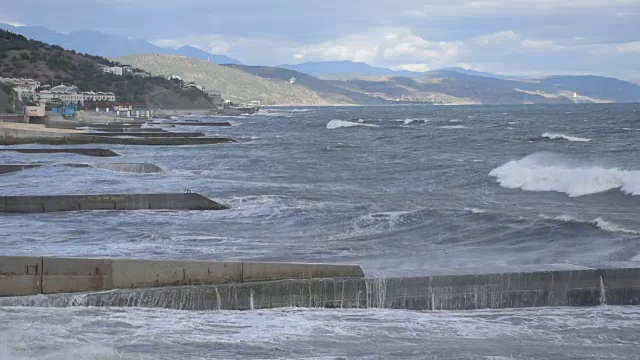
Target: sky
(519,37)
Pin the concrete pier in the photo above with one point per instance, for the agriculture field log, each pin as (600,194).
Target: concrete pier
(48,275)
(42,204)
(193,123)
(87,152)
(82,139)
(228,286)
(9,168)
(151,134)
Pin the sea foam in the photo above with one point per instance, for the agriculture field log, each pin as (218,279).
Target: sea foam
(600,223)
(554,136)
(453,127)
(550,172)
(335,124)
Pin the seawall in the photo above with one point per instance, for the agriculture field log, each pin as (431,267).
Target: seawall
(87,152)
(56,203)
(49,275)
(232,287)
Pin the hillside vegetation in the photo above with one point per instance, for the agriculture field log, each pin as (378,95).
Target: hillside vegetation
(235,85)
(53,65)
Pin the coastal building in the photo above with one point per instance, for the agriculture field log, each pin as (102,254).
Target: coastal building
(117,70)
(24,88)
(174,77)
(71,94)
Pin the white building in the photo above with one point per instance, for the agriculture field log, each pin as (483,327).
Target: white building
(71,94)
(174,77)
(117,70)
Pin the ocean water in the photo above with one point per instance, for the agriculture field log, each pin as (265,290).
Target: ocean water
(392,188)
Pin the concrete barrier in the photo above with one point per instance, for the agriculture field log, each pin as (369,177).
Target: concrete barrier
(41,204)
(20,275)
(87,152)
(589,287)
(194,123)
(265,271)
(83,139)
(151,134)
(9,168)
(49,275)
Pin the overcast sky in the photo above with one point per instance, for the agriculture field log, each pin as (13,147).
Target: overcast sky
(532,37)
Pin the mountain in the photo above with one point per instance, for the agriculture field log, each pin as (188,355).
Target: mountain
(324,88)
(51,64)
(192,52)
(97,43)
(234,84)
(450,87)
(482,73)
(333,69)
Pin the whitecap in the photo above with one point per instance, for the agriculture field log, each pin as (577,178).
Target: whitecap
(599,222)
(557,136)
(550,172)
(476,211)
(453,127)
(335,124)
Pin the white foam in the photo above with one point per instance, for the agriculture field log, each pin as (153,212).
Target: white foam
(600,223)
(453,127)
(549,172)
(475,210)
(555,136)
(409,121)
(335,124)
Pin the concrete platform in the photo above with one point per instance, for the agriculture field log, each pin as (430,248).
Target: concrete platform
(592,287)
(193,123)
(42,204)
(9,168)
(48,275)
(87,152)
(78,139)
(151,134)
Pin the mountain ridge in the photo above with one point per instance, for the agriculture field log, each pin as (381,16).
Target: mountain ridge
(98,43)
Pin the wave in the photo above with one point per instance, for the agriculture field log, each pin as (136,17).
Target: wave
(551,172)
(554,136)
(453,127)
(335,124)
(600,223)
(409,121)
(476,211)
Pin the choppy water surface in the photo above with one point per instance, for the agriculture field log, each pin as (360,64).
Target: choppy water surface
(391,188)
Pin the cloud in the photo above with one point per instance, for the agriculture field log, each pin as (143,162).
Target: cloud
(629,48)
(540,45)
(383,46)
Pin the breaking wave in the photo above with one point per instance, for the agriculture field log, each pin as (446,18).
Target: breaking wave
(453,127)
(554,136)
(597,222)
(335,124)
(550,172)
(410,121)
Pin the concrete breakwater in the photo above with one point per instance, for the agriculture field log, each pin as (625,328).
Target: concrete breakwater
(342,287)
(82,139)
(137,168)
(152,134)
(57,203)
(87,152)
(49,275)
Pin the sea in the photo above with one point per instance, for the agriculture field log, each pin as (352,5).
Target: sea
(397,189)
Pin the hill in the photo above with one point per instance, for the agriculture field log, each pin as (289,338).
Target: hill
(234,84)
(98,43)
(51,64)
(342,69)
(453,87)
(324,88)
